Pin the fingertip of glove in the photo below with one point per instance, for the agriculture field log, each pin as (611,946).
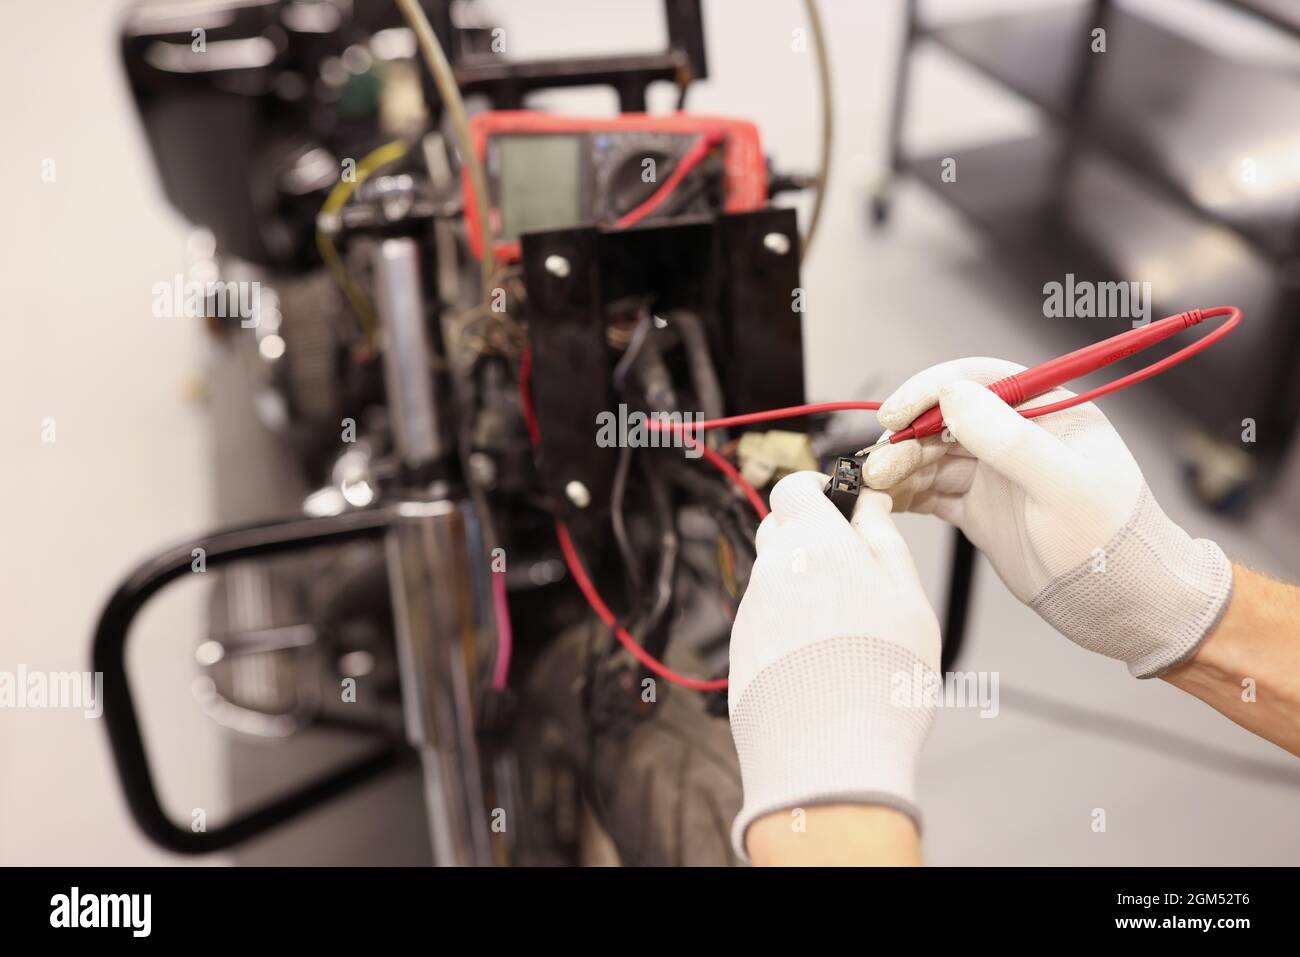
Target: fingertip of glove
(896,412)
(961,400)
(888,466)
(870,506)
(800,494)
(958,390)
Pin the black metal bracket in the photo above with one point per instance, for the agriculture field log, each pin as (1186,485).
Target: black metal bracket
(739,272)
(109,658)
(506,82)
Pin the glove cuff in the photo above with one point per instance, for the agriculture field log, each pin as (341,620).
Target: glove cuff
(838,721)
(1149,598)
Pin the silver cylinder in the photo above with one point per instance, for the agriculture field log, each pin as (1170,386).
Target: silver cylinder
(440,611)
(399,298)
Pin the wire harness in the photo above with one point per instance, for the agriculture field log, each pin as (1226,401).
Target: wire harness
(574,561)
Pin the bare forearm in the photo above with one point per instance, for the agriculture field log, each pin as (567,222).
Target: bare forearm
(846,835)
(1249,667)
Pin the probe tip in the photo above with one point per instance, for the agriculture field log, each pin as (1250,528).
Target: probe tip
(881,443)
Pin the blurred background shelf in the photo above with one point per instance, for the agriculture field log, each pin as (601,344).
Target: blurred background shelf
(1103,226)
(1280,13)
(1187,117)
(1159,160)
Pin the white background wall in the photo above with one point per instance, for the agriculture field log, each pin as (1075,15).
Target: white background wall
(128,470)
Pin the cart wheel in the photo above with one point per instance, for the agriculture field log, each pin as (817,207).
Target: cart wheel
(879,211)
(879,200)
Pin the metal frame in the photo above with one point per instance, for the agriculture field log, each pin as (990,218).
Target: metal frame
(506,83)
(436,560)
(109,658)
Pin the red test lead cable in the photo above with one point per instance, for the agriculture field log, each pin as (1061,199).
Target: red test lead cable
(579,572)
(1014,390)
(1033,382)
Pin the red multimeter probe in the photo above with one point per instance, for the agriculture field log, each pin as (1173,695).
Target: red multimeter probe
(572,162)
(1031,383)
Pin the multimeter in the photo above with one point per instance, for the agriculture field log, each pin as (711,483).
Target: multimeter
(546,171)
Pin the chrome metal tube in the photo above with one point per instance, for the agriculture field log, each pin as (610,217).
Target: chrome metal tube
(439,612)
(399,297)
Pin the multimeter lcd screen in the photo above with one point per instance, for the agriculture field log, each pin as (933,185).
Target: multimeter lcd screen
(537,183)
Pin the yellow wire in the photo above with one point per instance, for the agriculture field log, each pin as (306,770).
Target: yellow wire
(444,78)
(335,201)
(828,122)
(727,565)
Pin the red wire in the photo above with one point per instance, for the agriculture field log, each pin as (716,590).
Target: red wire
(729,470)
(1146,372)
(749,418)
(574,562)
(604,614)
(526,397)
(690,159)
(588,589)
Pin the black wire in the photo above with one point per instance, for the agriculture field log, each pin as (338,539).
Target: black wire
(728,508)
(618,492)
(732,517)
(682,198)
(639,336)
(669,547)
(616,519)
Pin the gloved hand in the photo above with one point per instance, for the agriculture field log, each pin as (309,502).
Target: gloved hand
(830,647)
(1061,509)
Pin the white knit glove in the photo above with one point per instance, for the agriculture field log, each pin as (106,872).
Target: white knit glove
(831,649)
(1060,508)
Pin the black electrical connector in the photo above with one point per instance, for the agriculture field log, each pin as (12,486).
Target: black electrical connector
(845,484)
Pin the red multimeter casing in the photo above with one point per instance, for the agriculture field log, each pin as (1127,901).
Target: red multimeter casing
(546,171)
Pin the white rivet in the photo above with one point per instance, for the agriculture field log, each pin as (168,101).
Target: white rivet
(482,469)
(577,494)
(778,243)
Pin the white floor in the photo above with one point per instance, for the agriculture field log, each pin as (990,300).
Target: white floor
(129,468)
